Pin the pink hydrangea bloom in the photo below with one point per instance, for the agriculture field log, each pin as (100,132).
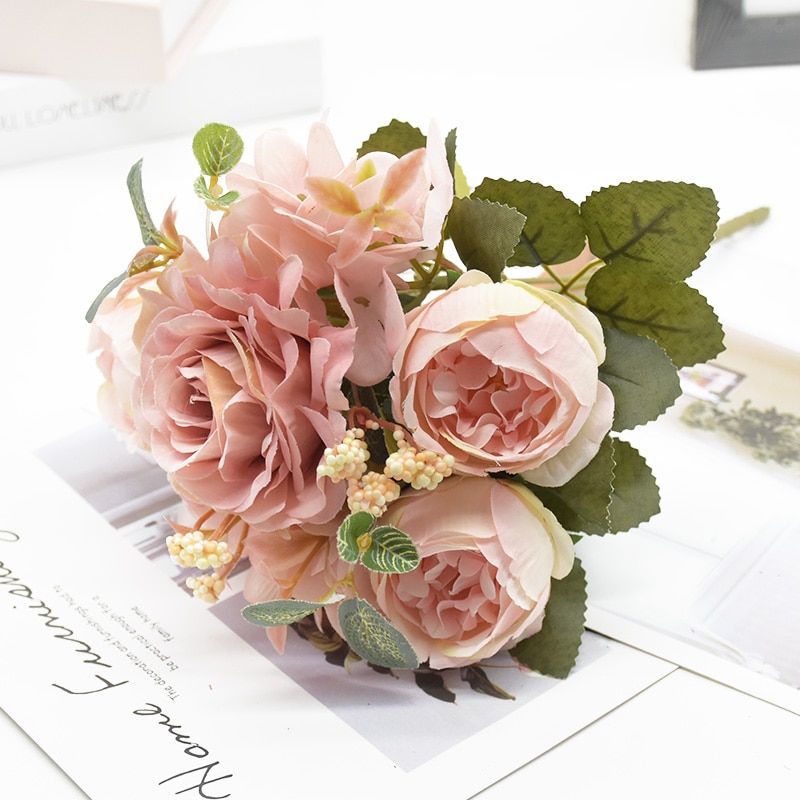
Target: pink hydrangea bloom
(355,226)
(301,562)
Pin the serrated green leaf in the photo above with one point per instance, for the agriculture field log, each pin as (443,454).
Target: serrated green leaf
(554,650)
(635,496)
(373,637)
(661,228)
(484,233)
(397,138)
(354,526)
(582,503)
(149,231)
(279,612)
(450,150)
(218,148)
(641,377)
(460,185)
(673,314)
(391,551)
(553,231)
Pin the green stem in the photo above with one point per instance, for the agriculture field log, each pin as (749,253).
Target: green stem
(754,217)
(592,265)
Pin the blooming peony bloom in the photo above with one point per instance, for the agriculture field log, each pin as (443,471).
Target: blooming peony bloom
(504,377)
(240,392)
(301,562)
(488,550)
(355,226)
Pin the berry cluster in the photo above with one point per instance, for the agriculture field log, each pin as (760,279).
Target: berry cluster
(206,587)
(373,491)
(347,460)
(193,549)
(423,469)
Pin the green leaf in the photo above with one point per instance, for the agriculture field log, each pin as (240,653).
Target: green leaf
(553,231)
(484,233)
(391,551)
(554,650)
(227,200)
(479,682)
(149,231)
(673,314)
(279,612)
(635,496)
(373,637)
(661,228)
(450,150)
(354,526)
(432,683)
(641,377)
(220,203)
(397,138)
(201,189)
(218,148)
(104,292)
(582,503)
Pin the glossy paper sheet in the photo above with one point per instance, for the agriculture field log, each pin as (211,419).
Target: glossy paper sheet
(136,689)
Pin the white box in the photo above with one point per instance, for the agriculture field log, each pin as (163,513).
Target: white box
(42,117)
(134,41)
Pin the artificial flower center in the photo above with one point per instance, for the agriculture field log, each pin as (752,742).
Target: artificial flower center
(487,405)
(455,593)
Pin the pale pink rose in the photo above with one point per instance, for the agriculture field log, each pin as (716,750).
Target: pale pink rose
(504,378)
(301,562)
(488,549)
(111,338)
(240,392)
(356,226)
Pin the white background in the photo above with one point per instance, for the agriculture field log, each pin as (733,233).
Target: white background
(575,93)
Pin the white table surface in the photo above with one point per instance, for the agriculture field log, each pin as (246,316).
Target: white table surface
(574,93)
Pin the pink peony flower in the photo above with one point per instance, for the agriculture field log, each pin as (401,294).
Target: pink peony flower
(488,550)
(240,392)
(504,378)
(355,226)
(301,562)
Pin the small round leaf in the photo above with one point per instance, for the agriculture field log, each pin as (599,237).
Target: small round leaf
(354,526)
(391,551)
(218,148)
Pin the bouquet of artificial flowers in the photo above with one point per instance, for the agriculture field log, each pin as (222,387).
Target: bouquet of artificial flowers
(399,397)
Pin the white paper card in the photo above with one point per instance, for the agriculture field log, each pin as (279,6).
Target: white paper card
(138,690)
(699,584)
